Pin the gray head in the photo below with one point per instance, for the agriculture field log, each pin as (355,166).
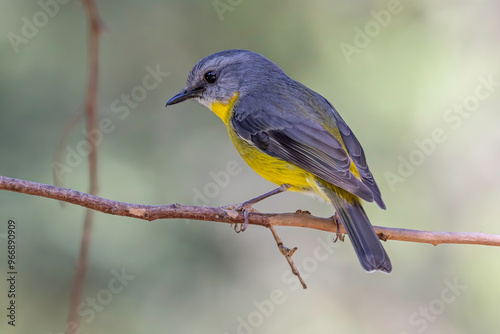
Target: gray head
(219,76)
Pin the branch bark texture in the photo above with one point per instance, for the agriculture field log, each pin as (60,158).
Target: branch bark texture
(227,215)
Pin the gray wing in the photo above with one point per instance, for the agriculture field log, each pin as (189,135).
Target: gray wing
(302,142)
(357,155)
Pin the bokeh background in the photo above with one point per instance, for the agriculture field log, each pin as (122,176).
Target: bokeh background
(400,84)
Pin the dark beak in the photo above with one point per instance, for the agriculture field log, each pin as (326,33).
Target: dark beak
(185,95)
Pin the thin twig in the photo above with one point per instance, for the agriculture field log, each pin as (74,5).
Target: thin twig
(223,215)
(287,253)
(91,117)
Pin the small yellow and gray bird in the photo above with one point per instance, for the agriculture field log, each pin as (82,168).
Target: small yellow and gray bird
(292,136)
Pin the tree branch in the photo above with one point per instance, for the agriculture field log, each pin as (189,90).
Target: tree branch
(226,215)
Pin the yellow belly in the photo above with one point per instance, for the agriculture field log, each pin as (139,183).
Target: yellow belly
(272,169)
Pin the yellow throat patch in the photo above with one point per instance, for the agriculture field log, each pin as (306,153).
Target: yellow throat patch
(224,109)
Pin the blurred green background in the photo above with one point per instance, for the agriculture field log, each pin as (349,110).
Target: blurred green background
(406,75)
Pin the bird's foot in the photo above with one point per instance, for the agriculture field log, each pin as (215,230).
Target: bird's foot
(246,208)
(339,235)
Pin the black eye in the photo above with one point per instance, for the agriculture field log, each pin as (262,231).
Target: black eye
(210,76)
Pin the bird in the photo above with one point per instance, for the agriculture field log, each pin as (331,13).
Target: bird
(293,137)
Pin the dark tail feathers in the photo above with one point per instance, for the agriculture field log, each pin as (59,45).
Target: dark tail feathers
(371,254)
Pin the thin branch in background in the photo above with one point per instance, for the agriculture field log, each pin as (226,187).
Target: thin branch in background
(91,116)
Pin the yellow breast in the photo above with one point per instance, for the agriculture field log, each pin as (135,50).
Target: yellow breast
(224,109)
(272,169)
